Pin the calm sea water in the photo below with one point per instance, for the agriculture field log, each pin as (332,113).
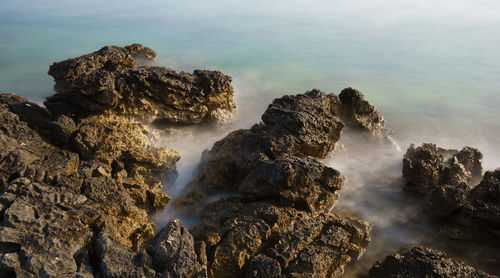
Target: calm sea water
(431,67)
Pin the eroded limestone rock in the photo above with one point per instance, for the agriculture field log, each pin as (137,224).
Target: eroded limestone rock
(427,167)
(77,188)
(109,58)
(359,113)
(423,262)
(279,215)
(149,94)
(173,252)
(448,177)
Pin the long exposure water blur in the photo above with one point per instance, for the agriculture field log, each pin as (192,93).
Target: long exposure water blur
(432,68)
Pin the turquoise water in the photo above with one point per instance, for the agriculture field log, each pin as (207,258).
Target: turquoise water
(431,67)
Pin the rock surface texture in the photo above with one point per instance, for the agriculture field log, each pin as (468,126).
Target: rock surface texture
(274,218)
(427,167)
(108,58)
(108,82)
(79,180)
(450,178)
(423,262)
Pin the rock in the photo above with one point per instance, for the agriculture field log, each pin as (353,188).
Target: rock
(173,252)
(448,178)
(108,58)
(358,113)
(142,54)
(111,137)
(423,262)
(488,191)
(245,157)
(262,266)
(446,199)
(482,211)
(275,219)
(77,189)
(149,94)
(62,127)
(26,154)
(116,260)
(308,122)
(427,167)
(42,231)
(29,112)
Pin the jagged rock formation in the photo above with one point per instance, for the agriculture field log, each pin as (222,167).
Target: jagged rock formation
(359,113)
(481,211)
(423,262)
(79,179)
(54,198)
(428,167)
(108,58)
(77,189)
(108,82)
(449,178)
(277,222)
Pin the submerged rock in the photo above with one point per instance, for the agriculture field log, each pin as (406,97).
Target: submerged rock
(423,262)
(278,221)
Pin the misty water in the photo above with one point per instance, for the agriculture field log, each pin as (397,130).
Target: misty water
(432,68)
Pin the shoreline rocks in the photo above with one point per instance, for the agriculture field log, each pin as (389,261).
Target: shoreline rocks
(466,210)
(275,220)
(108,82)
(109,58)
(427,167)
(77,188)
(422,262)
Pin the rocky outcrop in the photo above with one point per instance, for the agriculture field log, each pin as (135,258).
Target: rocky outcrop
(53,201)
(449,179)
(149,94)
(423,262)
(108,82)
(359,113)
(77,189)
(275,220)
(29,112)
(481,211)
(173,252)
(25,154)
(427,167)
(80,178)
(108,58)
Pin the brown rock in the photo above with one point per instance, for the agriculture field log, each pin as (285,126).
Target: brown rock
(427,167)
(108,58)
(423,262)
(276,221)
(150,94)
